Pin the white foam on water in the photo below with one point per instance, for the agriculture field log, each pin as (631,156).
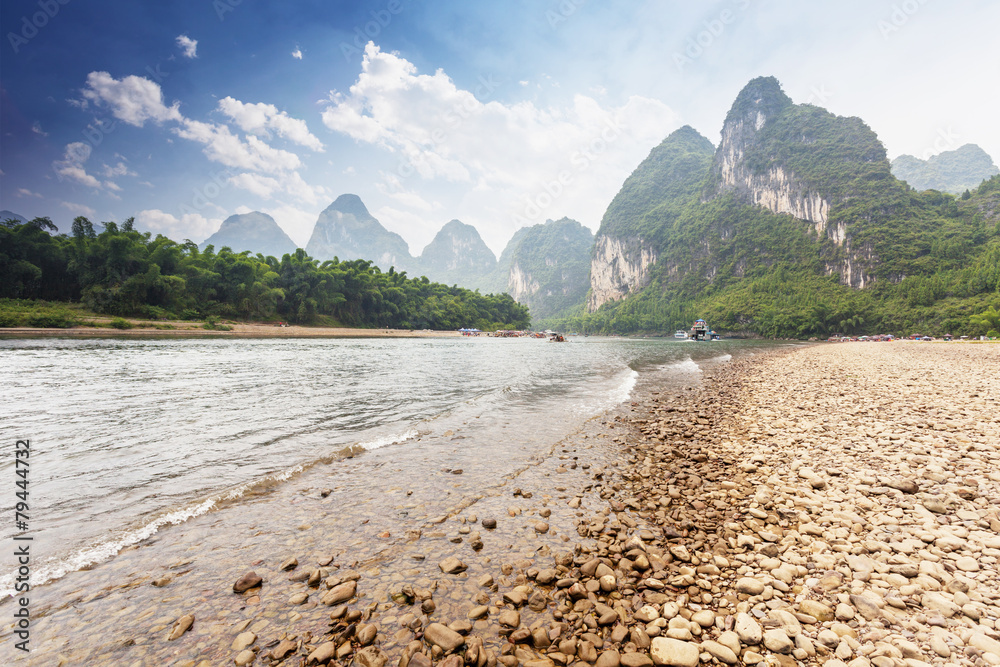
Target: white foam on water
(387,440)
(103,551)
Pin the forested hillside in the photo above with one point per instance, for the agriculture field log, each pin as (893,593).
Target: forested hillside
(120,271)
(799,229)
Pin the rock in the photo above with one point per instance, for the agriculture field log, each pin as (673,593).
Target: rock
(181,625)
(636,660)
(284,647)
(748,629)
(904,485)
(478,612)
(609,658)
(674,652)
(289,564)
(243,640)
(844,612)
(298,598)
(719,652)
(443,636)
(817,610)
(967,564)
(984,643)
(161,582)
(705,618)
(452,565)
(246,582)
(340,593)
(322,653)
(365,634)
(370,656)
(750,586)
(938,602)
(489,523)
(541,527)
(509,618)
(940,646)
(245,658)
(486,581)
(777,641)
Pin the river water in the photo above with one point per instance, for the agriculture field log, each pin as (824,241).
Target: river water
(129,437)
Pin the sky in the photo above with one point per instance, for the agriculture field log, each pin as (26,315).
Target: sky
(500,114)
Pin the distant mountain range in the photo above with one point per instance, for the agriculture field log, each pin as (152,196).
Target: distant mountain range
(255,231)
(10,215)
(544,266)
(951,171)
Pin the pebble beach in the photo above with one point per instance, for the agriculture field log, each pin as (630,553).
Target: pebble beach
(834,504)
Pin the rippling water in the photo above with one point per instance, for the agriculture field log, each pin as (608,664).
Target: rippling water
(130,435)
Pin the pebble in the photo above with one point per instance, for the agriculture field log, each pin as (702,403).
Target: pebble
(246,582)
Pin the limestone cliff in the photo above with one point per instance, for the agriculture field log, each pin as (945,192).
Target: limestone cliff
(545,266)
(618,267)
(734,169)
(631,233)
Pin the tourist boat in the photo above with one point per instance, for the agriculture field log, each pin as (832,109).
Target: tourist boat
(680,334)
(557,338)
(700,330)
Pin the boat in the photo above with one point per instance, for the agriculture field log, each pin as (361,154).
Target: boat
(700,330)
(680,334)
(557,338)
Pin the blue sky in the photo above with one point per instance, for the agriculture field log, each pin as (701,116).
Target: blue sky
(499,114)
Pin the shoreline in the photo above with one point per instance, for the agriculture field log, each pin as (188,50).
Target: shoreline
(239,330)
(768,515)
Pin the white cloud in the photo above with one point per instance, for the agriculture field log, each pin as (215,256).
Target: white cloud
(133,99)
(297,54)
(266,171)
(79,209)
(261,119)
(36,127)
(188,46)
(25,192)
(519,162)
(290,183)
(71,166)
(222,146)
(192,226)
(120,169)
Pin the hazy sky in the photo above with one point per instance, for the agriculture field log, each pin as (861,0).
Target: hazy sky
(500,114)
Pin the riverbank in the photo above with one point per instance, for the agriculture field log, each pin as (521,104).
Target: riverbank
(828,503)
(233,330)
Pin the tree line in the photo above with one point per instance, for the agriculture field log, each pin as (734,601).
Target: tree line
(121,271)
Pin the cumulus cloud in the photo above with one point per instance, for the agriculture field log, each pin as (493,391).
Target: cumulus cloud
(25,192)
(224,147)
(297,54)
(71,166)
(192,226)
(188,46)
(262,119)
(519,162)
(133,99)
(79,209)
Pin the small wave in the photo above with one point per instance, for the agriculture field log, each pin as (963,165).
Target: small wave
(103,551)
(99,553)
(387,440)
(622,392)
